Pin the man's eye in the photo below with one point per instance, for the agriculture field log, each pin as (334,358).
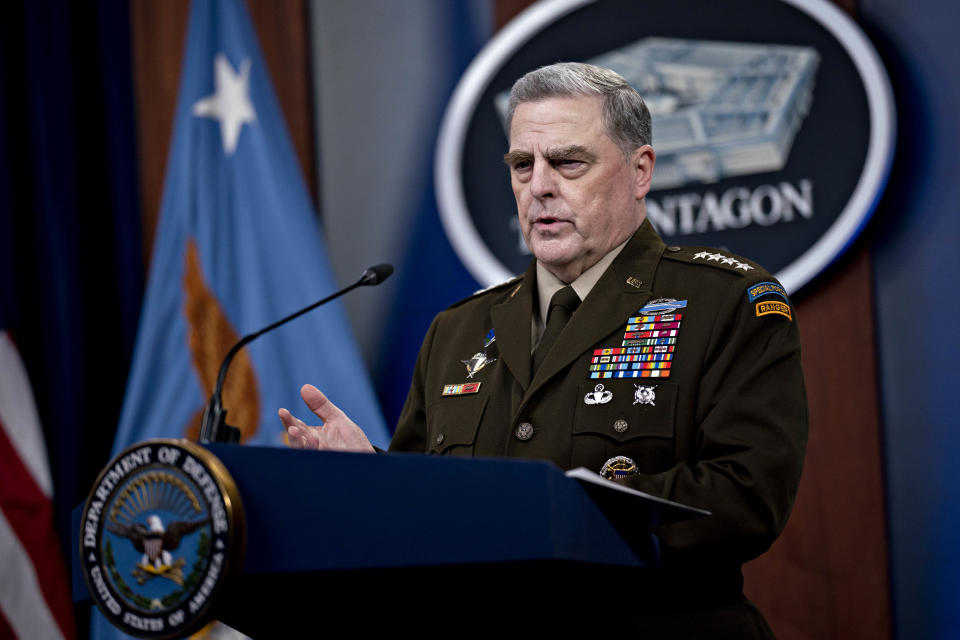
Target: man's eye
(522,165)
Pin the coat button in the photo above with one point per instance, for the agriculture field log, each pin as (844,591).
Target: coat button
(440,438)
(673,249)
(620,425)
(524,431)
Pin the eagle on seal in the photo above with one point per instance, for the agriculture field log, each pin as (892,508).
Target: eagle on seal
(156,542)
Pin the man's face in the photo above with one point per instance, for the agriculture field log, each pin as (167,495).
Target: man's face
(577,196)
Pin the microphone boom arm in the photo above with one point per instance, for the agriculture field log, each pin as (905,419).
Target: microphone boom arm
(213,427)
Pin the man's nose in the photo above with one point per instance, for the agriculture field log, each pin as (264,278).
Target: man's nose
(543,181)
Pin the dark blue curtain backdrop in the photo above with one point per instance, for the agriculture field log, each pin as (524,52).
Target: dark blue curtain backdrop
(71,269)
(916,262)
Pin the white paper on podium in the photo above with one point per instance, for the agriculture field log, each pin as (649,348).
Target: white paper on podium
(617,501)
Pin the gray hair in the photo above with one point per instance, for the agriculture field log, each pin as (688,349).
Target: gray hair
(625,115)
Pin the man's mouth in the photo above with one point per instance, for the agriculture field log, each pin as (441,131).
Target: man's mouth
(547,221)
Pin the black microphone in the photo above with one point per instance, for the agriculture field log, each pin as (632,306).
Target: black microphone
(213,427)
(374,275)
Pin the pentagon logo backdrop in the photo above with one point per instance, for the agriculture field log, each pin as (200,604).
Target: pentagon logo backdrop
(773,125)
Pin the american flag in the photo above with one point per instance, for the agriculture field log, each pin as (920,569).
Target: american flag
(34,595)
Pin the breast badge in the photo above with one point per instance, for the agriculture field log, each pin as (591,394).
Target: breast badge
(644,395)
(618,467)
(477,362)
(599,395)
(661,306)
(480,359)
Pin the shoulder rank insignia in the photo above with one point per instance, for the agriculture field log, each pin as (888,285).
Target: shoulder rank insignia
(722,259)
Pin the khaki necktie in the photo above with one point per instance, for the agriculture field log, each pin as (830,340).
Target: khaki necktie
(562,305)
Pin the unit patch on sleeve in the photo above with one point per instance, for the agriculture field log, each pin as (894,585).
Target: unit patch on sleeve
(780,308)
(649,340)
(766,289)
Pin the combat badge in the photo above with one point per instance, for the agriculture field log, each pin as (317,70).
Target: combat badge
(618,467)
(477,362)
(644,395)
(599,395)
(160,531)
(661,306)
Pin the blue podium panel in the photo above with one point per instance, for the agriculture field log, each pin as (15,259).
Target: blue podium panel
(430,535)
(323,511)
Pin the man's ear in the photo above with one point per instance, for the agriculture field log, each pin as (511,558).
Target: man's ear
(642,159)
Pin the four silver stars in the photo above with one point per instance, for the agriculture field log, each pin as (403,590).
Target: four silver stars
(722,259)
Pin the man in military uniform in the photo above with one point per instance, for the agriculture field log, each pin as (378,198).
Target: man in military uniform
(675,371)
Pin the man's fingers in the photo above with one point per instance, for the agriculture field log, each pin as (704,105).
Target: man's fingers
(338,430)
(286,418)
(290,420)
(295,438)
(303,437)
(300,435)
(320,404)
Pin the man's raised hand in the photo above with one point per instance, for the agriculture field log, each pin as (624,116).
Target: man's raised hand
(338,432)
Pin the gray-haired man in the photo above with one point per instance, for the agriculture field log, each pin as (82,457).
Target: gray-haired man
(678,368)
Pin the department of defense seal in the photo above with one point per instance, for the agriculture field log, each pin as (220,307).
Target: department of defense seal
(160,532)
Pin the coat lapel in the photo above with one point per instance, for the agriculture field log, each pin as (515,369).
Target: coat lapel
(512,320)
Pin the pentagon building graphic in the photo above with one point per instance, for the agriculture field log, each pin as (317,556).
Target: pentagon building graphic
(720,109)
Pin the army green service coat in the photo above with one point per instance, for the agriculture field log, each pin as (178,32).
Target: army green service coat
(726,431)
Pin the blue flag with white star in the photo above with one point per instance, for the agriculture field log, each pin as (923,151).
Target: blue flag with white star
(237,248)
